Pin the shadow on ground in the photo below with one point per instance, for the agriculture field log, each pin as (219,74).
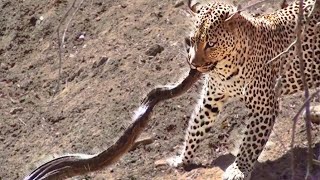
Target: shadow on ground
(280,169)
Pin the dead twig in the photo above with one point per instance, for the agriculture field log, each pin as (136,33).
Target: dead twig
(67,25)
(282,144)
(60,45)
(316,162)
(22,121)
(295,120)
(297,42)
(278,84)
(313,48)
(283,52)
(73,165)
(305,87)
(142,141)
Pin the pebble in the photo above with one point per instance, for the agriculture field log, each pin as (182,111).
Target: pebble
(15,110)
(4,66)
(158,68)
(154,50)
(314,114)
(81,37)
(178,3)
(102,61)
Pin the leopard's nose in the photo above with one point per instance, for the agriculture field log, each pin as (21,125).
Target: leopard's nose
(197,62)
(195,58)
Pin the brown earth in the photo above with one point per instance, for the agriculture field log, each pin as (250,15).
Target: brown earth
(114,53)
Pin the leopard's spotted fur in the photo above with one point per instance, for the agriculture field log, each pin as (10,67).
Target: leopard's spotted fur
(233,54)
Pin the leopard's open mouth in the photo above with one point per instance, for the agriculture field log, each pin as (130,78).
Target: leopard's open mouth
(206,67)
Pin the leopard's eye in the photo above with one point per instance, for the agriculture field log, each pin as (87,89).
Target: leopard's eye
(210,44)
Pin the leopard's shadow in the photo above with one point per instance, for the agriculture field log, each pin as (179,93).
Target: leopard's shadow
(280,169)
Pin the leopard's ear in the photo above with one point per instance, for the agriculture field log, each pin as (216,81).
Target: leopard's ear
(235,19)
(194,6)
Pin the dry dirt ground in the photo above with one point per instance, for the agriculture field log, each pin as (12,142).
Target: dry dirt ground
(115,51)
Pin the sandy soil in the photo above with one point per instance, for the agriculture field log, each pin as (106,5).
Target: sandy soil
(114,53)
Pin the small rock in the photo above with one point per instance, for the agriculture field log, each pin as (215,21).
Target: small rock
(314,114)
(4,66)
(73,76)
(102,61)
(15,110)
(81,37)
(25,84)
(270,145)
(142,141)
(22,100)
(31,66)
(158,68)
(157,14)
(37,96)
(171,127)
(143,61)
(178,3)
(154,50)
(161,162)
(33,21)
(56,118)
(12,64)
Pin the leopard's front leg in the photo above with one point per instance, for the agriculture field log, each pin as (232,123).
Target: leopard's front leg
(202,119)
(263,108)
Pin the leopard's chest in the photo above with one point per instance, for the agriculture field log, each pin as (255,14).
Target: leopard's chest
(230,81)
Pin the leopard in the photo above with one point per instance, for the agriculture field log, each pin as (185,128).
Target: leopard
(236,53)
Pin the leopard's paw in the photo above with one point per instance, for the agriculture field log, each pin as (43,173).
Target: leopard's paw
(234,173)
(175,161)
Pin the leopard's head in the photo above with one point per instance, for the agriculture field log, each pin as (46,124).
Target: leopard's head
(215,35)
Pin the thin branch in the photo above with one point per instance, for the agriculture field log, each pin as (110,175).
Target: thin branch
(73,165)
(313,49)
(305,87)
(283,52)
(60,44)
(284,147)
(295,120)
(142,141)
(67,25)
(297,42)
(316,162)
